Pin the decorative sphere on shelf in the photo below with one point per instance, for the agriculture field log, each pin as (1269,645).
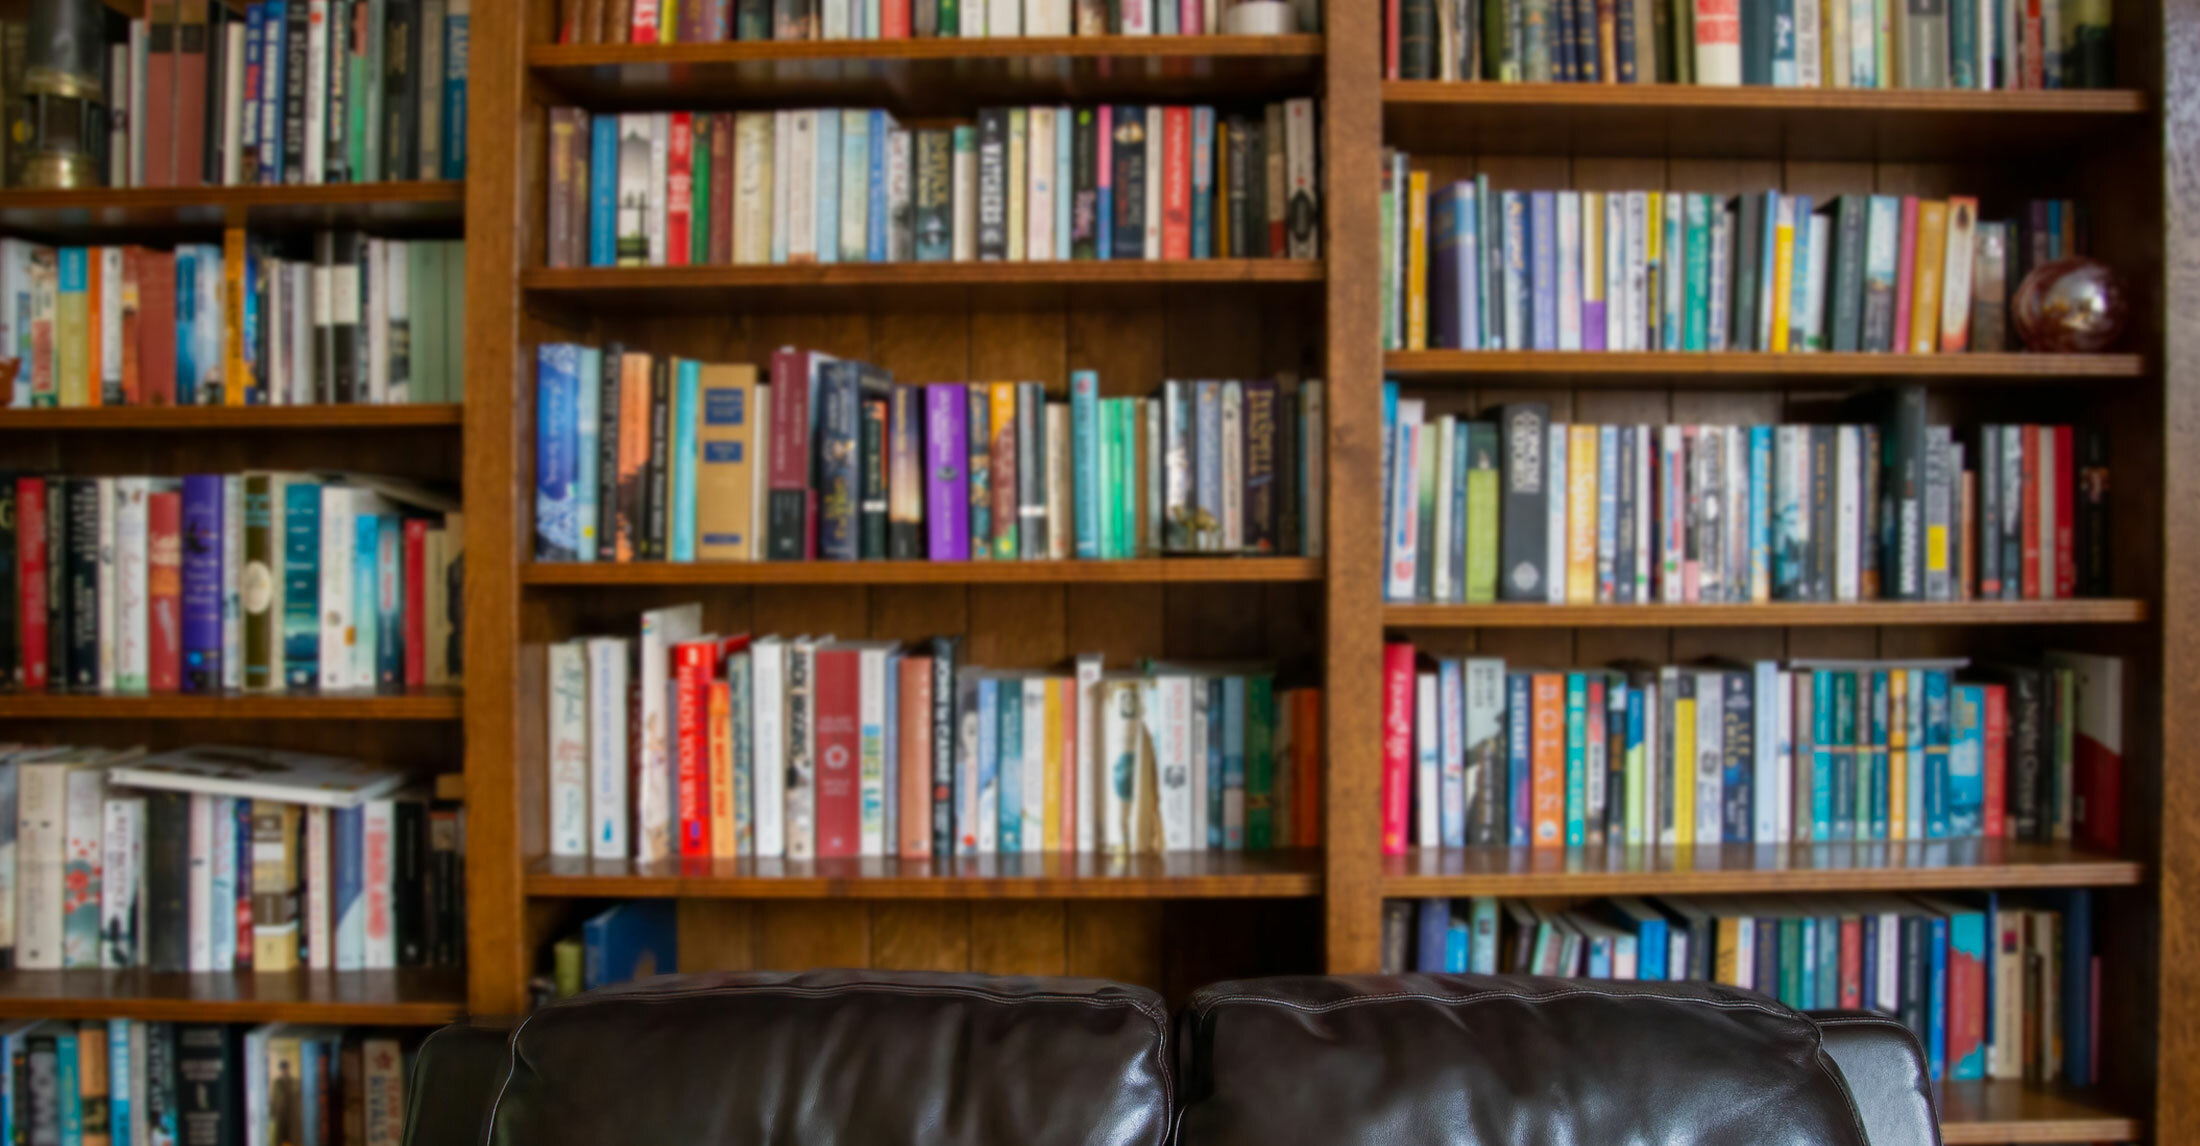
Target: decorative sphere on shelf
(2070,306)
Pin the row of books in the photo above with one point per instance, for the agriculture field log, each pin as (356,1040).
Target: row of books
(1476,752)
(816,748)
(2000,986)
(131,1082)
(652,458)
(1517,507)
(851,185)
(703,21)
(283,92)
(220,858)
(248,322)
(1469,268)
(1964,44)
(257,581)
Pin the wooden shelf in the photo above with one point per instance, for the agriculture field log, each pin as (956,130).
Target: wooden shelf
(1724,369)
(1997,1111)
(929,77)
(1776,614)
(100,213)
(1164,570)
(409,997)
(907,285)
(1689,121)
(1290,873)
(333,417)
(1726,868)
(431,705)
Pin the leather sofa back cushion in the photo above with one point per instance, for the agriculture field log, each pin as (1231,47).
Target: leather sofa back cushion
(841,1057)
(1468,1060)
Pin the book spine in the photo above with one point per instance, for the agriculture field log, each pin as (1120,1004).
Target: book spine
(1398,736)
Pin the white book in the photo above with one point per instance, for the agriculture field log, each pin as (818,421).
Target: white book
(1848,477)
(1718,57)
(1203,811)
(834,21)
(122,883)
(232,104)
(1809,48)
(1556,510)
(256,773)
(1233,467)
(273,55)
(319,922)
(854,211)
(1154,133)
(232,582)
(964,200)
(1169,724)
(109,381)
(900,228)
(799,739)
(1569,270)
(1836,31)
(222,886)
(298,332)
(607,748)
(799,174)
(1039,200)
(40,835)
(316,152)
(871,791)
(1033,780)
(753,186)
(1119,726)
(1816,334)
(84,812)
(1710,756)
(568,746)
(104,581)
(1003,17)
(1302,174)
(973,19)
(654,809)
(338,540)
(1636,292)
(1440,577)
(780,186)
(1089,753)
(1405,503)
(1772,755)
(377,879)
(767,685)
(1428,764)
(1144,809)
(1137,17)
(199,901)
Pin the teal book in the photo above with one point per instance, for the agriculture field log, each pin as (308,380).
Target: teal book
(1967,763)
(1009,751)
(1871,782)
(1577,759)
(1084,432)
(687,384)
(826,200)
(989,761)
(365,599)
(1844,755)
(1939,736)
(301,583)
(1233,763)
(1696,305)
(68,1074)
(1821,759)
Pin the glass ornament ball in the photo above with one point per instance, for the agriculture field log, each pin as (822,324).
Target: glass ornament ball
(2070,306)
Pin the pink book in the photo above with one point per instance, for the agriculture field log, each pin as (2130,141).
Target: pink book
(1068,687)
(1397,788)
(1191,18)
(1104,213)
(1905,274)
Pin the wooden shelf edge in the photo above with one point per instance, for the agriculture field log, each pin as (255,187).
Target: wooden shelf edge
(1740,868)
(1437,363)
(1056,273)
(232,706)
(2008,1111)
(1294,874)
(254,195)
(555,56)
(1170,570)
(1778,614)
(423,414)
(407,997)
(2106,102)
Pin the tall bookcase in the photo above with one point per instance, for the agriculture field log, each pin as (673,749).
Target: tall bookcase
(1177,920)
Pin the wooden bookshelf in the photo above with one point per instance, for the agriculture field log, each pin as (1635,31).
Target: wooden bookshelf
(423,415)
(1751,369)
(1150,571)
(101,214)
(405,998)
(1739,868)
(1774,614)
(1173,875)
(912,285)
(427,705)
(2003,1111)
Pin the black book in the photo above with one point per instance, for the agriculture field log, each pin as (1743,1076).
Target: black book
(446,891)
(167,880)
(935,196)
(1738,727)
(607,455)
(1623,47)
(1263,480)
(1823,513)
(871,481)
(2092,502)
(1902,498)
(1848,273)
(401,88)
(296,32)
(992,183)
(336,159)
(84,602)
(2025,692)
(945,732)
(1127,231)
(207,1085)
(1913,974)
(1084,174)
(1417,40)
(1257,143)
(58,643)
(408,891)
(1768,950)
(1748,247)
(1523,502)
(347,383)
(1238,160)
(160,1074)
(753,20)
(656,484)
(41,1077)
(11,660)
(1031,471)
(835,469)
(217,49)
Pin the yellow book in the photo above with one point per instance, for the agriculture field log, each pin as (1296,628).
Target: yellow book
(1727,962)
(94,365)
(1932,251)
(1898,753)
(1592,255)
(668,22)
(1006,480)
(236,375)
(1581,514)
(1417,261)
(1050,819)
(70,380)
(1653,249)
(1684,756)
(1783,271)
(718,737)
(726,472)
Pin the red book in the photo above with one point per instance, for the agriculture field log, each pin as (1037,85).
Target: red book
(893,20)
(916,758)
(1966,1023)
(164,591)
(1852,963)
(1306,745)
(1397,746)
(188,165)
(643,29)
(2032,52)
(1391,33)
(30,578)
(1996,824)
(416,602)
(1176,183)
(2029,500)
(679,189)
(721,187)
(2066,510)
(839,752)
(692,662)
(1905,274)
(791,511)
(157,327)
(160,81)
(1068,833)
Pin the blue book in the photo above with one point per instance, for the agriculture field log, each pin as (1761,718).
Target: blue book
(1518,254)
(687,377)
(1462,461)
(629,941)
(1799,281)
(878,219)
(68,1076)
(1738,731)
(1435,934)
(839,413)
(455,52)
(119,1081)
(1203,182)
(989,759)
(1103,222)
(1767,256)
(1577,759)
(557,446)
(1648,926)
(1390,430)
(587,441)
(1938,736)
(1936,994)
(1210,698)
(309,1089)
(603,191)
(1454,269)
(1543,276)
(223,944)
(1760,511)
(826,200)
(301,583)
(1451,765)
(202,583)
(1870,961)
(272,73)
(1517,690)
(1207,463)
(1828,990)
(2077,988)
(187,300)
(389,604)
(1084,433)
(1458,946)
(348,906)
(1233,763)
(1010,705)
(1966,793)
(366,551)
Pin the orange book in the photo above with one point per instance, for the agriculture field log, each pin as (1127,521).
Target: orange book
(1006,510)
(633,451)
(1547,758)
(1581,514)
(1306,767)
(1932,254)
(725,837)
(916,758)
(236,375)
(133,382)
(95,367)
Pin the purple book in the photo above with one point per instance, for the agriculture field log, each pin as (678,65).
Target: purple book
(202,583)
(946,486)
(1543,272)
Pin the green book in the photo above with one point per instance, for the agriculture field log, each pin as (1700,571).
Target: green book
(368,114)
(430,319)
(454,335)
(1791,961)
(699,191)
(1425,556)
(1481,540)
(1260,763)
(1577,759)
(951,18)
(1682,47)
(1537,35)
(1696,307)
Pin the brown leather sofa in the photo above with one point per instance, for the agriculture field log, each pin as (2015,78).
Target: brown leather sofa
(851,1057)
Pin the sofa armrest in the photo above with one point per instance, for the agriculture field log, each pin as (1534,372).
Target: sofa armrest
(454,1083)
(1885,1071)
